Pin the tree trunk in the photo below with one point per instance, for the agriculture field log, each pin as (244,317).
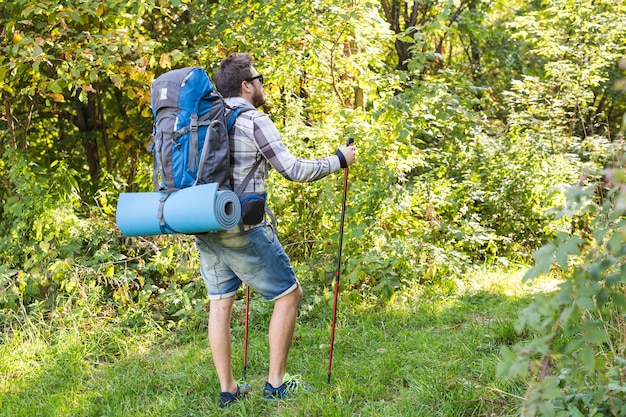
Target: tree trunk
(86,120)
(399,19)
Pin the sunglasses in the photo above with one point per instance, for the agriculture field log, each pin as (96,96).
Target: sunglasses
(256,77)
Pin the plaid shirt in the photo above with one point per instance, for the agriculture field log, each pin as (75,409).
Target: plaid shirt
(253,137)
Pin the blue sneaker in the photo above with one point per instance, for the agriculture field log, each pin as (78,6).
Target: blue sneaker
(290,385)
(226,398)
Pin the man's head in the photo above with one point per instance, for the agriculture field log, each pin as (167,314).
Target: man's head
(236,77)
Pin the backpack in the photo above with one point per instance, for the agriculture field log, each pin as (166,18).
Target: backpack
(190,133)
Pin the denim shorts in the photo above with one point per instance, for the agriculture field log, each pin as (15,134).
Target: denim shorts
(255,257)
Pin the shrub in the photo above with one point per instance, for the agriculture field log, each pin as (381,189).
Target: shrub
(577,362)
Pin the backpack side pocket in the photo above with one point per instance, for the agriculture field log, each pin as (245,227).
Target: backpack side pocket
(253,208)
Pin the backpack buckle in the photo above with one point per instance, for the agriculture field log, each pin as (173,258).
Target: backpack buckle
(193,122)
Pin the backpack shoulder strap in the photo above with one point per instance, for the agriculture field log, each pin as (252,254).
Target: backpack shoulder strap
(246,180)
(233,112)
(231,115)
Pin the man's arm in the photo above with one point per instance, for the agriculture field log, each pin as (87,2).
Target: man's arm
(271,146)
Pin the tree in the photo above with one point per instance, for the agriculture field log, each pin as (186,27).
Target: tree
(567,88)
(428,24)
(74,74)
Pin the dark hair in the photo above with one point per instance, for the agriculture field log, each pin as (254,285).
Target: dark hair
(231,73)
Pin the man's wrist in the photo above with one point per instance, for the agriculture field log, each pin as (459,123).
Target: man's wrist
(342,159)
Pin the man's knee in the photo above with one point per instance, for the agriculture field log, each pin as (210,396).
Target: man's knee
(294,297)
(221,306)
(299,293)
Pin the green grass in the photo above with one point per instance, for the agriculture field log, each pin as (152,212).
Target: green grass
(423,354)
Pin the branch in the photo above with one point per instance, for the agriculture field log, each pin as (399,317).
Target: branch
(10,121)
(332,64)
(547,359)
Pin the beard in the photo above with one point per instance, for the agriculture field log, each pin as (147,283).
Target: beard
(258,98)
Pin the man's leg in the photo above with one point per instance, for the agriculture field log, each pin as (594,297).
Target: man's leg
(219,340)
(281,330)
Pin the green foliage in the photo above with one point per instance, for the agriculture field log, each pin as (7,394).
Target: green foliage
(466,118)
(77,76)
(60,252)
(459,151)
(568,91)
(39,226)
(577,359)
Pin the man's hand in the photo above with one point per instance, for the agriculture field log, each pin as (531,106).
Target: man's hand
(349,153)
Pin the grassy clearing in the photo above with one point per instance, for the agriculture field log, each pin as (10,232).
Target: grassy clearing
(424,354)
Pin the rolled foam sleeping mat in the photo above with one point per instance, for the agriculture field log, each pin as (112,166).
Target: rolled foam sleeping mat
(192,210)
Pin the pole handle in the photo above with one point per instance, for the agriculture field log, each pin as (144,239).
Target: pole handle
(350,141)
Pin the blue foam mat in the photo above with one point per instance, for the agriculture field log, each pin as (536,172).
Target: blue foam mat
(191,210)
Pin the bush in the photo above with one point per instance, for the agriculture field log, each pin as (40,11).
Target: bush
(63,252)
(577,362)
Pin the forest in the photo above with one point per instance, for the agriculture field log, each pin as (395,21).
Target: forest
(490,137)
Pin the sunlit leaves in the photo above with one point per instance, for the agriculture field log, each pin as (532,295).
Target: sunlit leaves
(574,51)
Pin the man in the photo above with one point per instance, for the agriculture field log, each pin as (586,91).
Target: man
(254,255)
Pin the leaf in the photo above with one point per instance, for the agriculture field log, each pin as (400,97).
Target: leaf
(614,278)
(55,88)
(594,332)
(44,246)
(587,358)
(572,245)
(619,299)
(574,411)
(511,365)
(68,285)
(602,296)
(543,261)
(547,409)
(573,345)
(57,97)
(561,257)
(615,244)
(585,303)
(89,88)
(165,61)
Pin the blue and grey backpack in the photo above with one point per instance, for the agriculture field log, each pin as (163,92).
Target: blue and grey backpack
(190,133)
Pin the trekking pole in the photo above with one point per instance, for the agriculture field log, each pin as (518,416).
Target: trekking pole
(245,333)
(338,271)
